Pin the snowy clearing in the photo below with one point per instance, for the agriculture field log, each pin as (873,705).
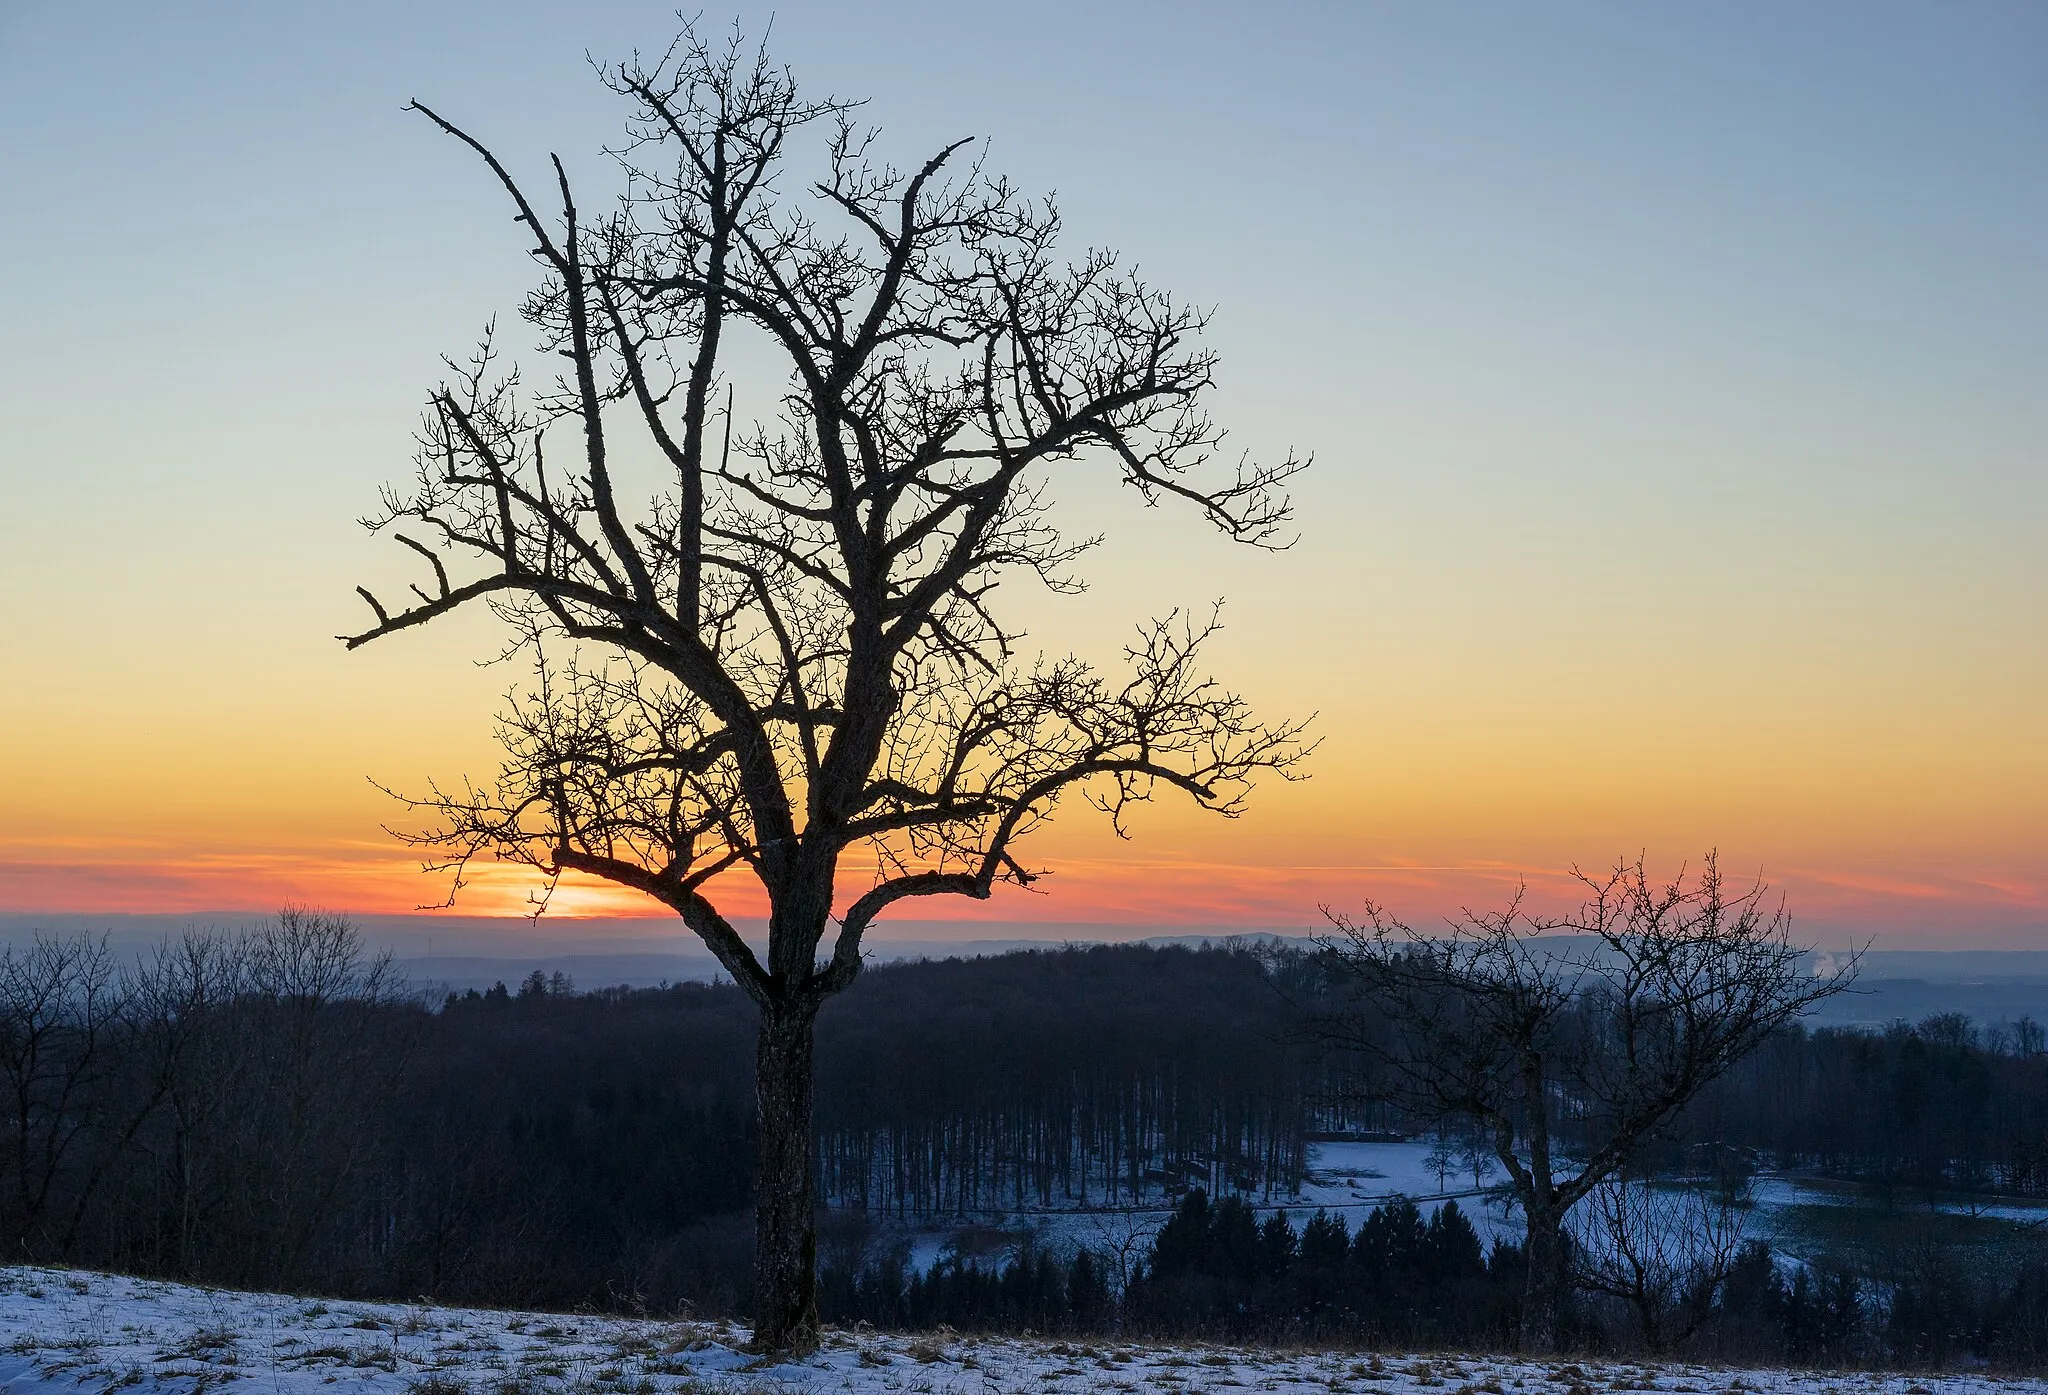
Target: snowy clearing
(1349,1180)
(68,1332)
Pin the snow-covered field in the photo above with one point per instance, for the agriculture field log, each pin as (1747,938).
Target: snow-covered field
(70,1333)
(1345,1179)
(1348,1180)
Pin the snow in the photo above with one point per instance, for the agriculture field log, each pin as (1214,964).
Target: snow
(1345,1179)
(1779,1193)
(70,1333)
(1348,1180)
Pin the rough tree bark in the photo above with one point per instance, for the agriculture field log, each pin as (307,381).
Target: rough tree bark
(1543,1211)
(785,1242)
(787,668)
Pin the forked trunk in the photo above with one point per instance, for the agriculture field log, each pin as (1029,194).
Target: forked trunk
(785,1229)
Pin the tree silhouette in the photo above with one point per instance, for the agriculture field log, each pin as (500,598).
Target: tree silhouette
(787,665)
(1606,1022)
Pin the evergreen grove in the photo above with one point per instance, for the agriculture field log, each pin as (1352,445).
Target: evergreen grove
(1406,1281)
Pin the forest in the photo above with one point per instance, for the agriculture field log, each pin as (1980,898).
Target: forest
(281,1111)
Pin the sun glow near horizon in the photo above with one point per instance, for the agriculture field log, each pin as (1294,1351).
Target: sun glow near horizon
(1674,381)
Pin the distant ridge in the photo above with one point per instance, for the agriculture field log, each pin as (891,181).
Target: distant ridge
(463,972)
(443,953)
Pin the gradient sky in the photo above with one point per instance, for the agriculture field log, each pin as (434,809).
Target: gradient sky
(1677,375)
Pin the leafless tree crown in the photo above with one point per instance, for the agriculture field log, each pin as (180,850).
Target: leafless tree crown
(1568,1040)
(1617,1012)
(790,652)
(1665,1253)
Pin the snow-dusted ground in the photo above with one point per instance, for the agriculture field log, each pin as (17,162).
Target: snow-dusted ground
(1350,1179)
(69,1333)
(1778,1193)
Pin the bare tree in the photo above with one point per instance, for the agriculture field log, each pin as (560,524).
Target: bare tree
(278,1051)
(1664,1253)
(1568,1040)
(1477,1155)
(191,988)
(787,665)
(1443,1157)
(65,1020)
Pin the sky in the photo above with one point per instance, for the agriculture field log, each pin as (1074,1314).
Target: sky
(1674,376)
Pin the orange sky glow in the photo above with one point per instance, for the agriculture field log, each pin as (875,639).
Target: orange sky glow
(1678,474)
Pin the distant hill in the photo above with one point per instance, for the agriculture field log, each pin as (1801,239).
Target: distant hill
(447,952)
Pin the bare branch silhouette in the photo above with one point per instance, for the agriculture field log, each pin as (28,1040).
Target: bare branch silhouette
(789,664)
(1612,1017)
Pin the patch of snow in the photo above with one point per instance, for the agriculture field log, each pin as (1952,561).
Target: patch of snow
(1345,1179)
(69,1333)
(1349,1180)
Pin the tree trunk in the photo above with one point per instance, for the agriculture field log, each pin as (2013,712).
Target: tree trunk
(1543,1212)
(1543,1294)
(785,1227)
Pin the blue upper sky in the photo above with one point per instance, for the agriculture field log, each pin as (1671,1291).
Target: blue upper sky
(1675,374)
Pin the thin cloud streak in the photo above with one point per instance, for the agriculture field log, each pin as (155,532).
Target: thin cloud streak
(1155,892)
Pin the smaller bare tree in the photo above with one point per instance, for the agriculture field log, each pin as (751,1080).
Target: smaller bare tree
(1443,1158)
(69,1085)
(276,1050)
(1567,1040)
(1663,1253)
(1122,1239)
(1477,1156)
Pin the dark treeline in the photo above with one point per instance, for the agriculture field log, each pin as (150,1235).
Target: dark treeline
(1215,1269)
(1078,1078)
(1400,1281)
(277,1110)
(1926,1311)
(1404,1281)
(209,1114)
(1937,1105)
